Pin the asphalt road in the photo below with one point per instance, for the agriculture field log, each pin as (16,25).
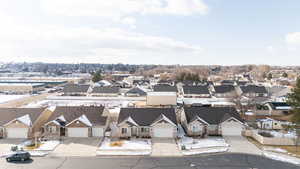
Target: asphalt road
(221,161)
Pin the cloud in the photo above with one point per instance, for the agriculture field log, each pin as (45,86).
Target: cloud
(130,21)
(293,38)
(60,44)
(123,8)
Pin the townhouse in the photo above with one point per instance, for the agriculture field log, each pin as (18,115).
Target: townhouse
(203,121)
(147,122)
(76,121)
(76,90)
(196,91)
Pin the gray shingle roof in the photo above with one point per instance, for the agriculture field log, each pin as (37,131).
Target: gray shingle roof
(146,116)
(106,89)
(8,114)
(195,90)
(70,113)
(253,89)
(224,88)
(136,90)
(212,115)
(164,88)
(75,88)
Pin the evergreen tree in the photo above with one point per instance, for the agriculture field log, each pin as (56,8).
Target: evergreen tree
(97,76)
(294,101)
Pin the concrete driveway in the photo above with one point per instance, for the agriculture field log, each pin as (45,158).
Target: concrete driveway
(6,144)
(239,144)
(162,147)
(77,147)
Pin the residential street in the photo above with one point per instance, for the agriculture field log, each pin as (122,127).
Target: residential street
(224,161)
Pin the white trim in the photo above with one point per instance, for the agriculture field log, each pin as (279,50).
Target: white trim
(164,118)
(130,120)
(81,119)
(18,119)
(233,119)
(198,118)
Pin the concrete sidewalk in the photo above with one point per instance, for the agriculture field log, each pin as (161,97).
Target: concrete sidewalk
(162,147)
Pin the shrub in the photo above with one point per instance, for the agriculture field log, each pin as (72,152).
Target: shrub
(116,144)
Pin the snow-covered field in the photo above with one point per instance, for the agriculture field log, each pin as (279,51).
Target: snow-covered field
(129,147)
(7,98)
(286,135)
(191,143)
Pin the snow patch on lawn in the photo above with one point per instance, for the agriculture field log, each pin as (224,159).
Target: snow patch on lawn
(281,157)
(215,150)
(191,143)
(48,145)
(127,145)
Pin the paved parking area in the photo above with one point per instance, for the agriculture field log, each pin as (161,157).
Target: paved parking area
(164,147)
(239,144)
(77,147)
(6,144)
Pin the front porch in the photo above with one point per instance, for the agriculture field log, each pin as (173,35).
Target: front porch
(135,132)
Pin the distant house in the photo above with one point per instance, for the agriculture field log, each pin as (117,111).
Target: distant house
(105,91)
(228,82)
(141,82)
(135,92)
(21,122)
(272,124)
(252,91)
(202,121)
(147,122)
(273,109)
(196,91)
(164,88)
(166,82)
(224,91)
(76,121)
(75,90)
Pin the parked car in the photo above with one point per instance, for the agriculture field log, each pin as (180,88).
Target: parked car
(18,156)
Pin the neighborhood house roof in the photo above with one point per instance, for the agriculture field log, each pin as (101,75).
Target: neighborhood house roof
(137,90)
(224,88)
(75,88)
(195,90)
(89,115)
(106,90)
(146,116)
(25,115)
(211,115)
(280,105)
(253,89)
(164,88)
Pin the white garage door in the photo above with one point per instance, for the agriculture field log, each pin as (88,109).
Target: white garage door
(97,132)
(162,132)
(17,132)
(78,132)
(232,128)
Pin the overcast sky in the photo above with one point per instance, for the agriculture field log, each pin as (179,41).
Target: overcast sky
(225,32)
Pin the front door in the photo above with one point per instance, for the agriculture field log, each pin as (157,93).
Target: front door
(134,131)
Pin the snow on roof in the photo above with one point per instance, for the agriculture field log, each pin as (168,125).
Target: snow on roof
(25,119)
(85,120)
(161,93)
(130,120)
(52,108)
(62,118)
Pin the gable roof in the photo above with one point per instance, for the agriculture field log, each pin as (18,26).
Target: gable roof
(71,113)
(9,114)
(75,88)
(136,90)
(224,88)
(146,116)
(164,88)
(211,115)
(279,105)
(195,90)
(106,89)
(253,89)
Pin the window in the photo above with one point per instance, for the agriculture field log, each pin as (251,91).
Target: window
(145,130)
(124,130)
